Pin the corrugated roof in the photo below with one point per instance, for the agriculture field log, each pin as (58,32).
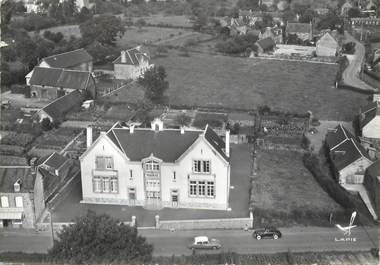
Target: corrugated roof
(59,107)
(9,175)
(68,59)
(168,144)
(56,77)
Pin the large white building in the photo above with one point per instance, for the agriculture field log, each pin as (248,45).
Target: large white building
(157,167)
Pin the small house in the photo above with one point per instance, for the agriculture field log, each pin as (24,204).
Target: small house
(327,45)
(131,64)
(372,184)
(369,121)
(266,45)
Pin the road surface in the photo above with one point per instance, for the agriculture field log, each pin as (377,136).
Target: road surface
(351,73)
(167,243)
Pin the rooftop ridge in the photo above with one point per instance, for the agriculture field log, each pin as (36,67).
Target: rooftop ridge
(52,56)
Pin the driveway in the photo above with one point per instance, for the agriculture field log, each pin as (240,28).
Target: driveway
(351,73)
(70,207)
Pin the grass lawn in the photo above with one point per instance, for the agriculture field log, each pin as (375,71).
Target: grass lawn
(214,80)
(70,207)
(161,19)
(134,36)
(283,188)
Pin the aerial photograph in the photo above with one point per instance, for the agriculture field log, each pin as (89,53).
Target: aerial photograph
(190,132)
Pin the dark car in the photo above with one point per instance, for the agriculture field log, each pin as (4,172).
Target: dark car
(268,232)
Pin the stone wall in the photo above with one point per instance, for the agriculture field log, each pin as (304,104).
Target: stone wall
(228,223)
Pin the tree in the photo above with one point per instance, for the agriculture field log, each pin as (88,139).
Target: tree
(104,29)
(84,15)
(140,23)
(154,83)
(99,239)
(353,12)
(46,124)
(183,119)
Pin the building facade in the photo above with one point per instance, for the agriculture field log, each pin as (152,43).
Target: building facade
(131,64)
(327,45)
(157,167)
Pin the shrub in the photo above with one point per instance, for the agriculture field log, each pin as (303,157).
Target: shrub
(46,124)
(18,89)
(55,37)
(305,143)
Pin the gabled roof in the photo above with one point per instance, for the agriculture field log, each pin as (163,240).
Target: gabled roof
(57,77)
(369,112)
(298,27)
(50,181)
(267,43)
(55,160)
(59,107)
(68,59)
(338,135)
(167,145)
(133,57)
(9,175)
(347,153)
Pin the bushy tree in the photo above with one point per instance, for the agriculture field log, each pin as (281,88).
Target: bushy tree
(99,239)
(183,119)
(154,83)
(104,29)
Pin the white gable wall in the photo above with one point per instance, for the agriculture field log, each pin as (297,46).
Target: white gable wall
(354,173)
(372,129)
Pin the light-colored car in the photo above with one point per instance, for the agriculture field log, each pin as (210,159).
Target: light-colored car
(203,242)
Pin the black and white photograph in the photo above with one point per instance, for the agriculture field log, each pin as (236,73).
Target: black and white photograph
(190,132)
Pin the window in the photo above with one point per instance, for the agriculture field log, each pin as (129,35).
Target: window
(193,188)
(19,202)
(106,184)
(4,202)
(174,176)
(201,166)
(202,188)
(102,162)
(210,189)
(114,185)
(152,166)
(97,184)
(130,174)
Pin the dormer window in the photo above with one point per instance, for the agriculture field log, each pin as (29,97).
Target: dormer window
(152,166)
(17,185)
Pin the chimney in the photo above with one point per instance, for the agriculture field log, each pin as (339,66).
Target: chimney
(89,136)
(131,128)
(182,130)
(123,56)
(17,185)
(227,149)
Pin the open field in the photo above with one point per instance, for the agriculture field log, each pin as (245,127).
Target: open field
(134,36)
(161,19)
(214,80)
(289,191)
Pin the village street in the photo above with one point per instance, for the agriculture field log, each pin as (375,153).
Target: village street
(166,243)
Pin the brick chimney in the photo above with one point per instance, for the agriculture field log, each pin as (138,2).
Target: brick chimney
(89,136)
(227,148)
(123,56)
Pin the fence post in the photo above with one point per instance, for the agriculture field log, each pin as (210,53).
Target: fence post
(251,218)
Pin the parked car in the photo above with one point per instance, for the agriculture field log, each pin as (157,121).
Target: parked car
(203,242)
(268,232)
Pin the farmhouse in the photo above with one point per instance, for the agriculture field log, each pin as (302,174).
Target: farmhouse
(327,45)
(131,64)
(24,192)
(266,45)
(372,184)
(74,60)
(56,110)
(157,167)
(304,31)
(369,120)
(275,33)
(50,83)
(348,157)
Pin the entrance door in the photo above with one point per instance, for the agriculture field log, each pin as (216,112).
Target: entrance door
(174,198)
(6,223)
(132,195)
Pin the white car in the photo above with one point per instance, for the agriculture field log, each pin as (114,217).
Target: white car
(203,242)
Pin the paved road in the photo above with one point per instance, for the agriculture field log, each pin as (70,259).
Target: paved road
(167,243)
(351,73)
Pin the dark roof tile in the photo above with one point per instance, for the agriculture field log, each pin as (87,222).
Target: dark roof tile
(9,175)
(68,59)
